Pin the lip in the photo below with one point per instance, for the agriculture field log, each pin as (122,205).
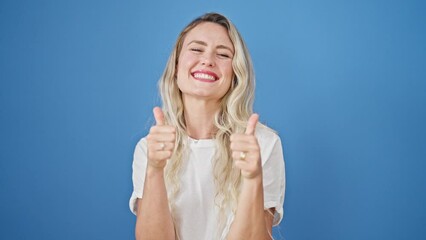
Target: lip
(209,73)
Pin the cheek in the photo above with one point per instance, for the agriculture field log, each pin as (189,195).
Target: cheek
(228,71)
(184,65)
(227,66)
(182,74)
(186,58)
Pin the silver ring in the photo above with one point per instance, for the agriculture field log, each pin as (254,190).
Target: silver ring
(162,146)
(243,156)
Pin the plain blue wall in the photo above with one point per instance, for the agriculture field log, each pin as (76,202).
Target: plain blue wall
(343,82)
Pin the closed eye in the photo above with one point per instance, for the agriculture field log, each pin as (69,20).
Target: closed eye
(195,49)
(224,55)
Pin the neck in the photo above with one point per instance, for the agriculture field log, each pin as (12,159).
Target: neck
(199,118)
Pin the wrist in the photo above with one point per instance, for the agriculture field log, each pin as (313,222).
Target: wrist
(152,171)
(256,181)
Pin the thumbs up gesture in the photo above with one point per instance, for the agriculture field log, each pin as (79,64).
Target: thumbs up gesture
(246,151)
(161,141)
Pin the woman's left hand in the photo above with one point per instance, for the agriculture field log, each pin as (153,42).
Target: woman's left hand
(246,151)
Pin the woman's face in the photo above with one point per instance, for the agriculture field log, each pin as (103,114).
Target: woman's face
(204,69)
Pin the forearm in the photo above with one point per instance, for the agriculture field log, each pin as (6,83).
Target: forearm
(154,219)
(249,222)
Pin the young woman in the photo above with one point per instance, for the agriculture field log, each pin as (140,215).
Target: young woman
(208,169)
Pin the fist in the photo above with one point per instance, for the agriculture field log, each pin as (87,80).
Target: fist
(161,141)
(246,151)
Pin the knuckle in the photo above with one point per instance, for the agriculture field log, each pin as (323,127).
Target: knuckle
(254,148)
(149,138)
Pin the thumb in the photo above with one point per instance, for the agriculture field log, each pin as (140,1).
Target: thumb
(159,116)
(251,124)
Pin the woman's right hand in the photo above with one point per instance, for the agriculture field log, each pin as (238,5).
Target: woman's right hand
(161,141)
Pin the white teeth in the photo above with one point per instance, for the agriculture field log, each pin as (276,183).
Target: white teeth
(204,76)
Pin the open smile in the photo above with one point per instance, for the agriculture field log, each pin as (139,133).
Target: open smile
(204,76)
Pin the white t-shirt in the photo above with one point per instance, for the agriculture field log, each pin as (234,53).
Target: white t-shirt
(195,209)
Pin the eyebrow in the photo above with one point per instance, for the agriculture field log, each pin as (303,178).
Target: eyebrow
(205,44)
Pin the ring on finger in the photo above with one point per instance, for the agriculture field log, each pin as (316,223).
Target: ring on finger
(243,155)
(162,146)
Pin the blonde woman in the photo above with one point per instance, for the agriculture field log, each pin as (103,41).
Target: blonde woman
(208,169)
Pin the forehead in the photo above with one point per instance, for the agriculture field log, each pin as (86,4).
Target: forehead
(210,33)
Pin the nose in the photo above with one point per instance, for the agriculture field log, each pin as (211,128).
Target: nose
(207,60)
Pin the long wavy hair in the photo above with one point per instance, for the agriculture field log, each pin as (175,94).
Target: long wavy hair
(236,106)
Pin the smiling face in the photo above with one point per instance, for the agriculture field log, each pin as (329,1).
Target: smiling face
(204,69)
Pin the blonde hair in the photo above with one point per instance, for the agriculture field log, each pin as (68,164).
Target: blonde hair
(235,108)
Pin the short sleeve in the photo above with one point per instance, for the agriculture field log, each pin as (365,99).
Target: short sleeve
(139,171)
(273,174)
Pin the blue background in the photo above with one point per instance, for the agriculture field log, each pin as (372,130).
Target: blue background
(343,82)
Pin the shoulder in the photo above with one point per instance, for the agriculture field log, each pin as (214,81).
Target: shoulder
(141,150)
(269,143)
(142,144)
(266,136)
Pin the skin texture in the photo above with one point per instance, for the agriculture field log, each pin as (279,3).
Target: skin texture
(206,49)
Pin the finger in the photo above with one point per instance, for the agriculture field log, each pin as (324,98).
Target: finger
(242,137)
(248,170)
(244,147)
(245,166)
(251,124)
(162,129)
(161,137)
(159,116)
(161,146)
(240,164)
(240,155)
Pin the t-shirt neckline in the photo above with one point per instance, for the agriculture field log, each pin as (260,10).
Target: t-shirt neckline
(201,142)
